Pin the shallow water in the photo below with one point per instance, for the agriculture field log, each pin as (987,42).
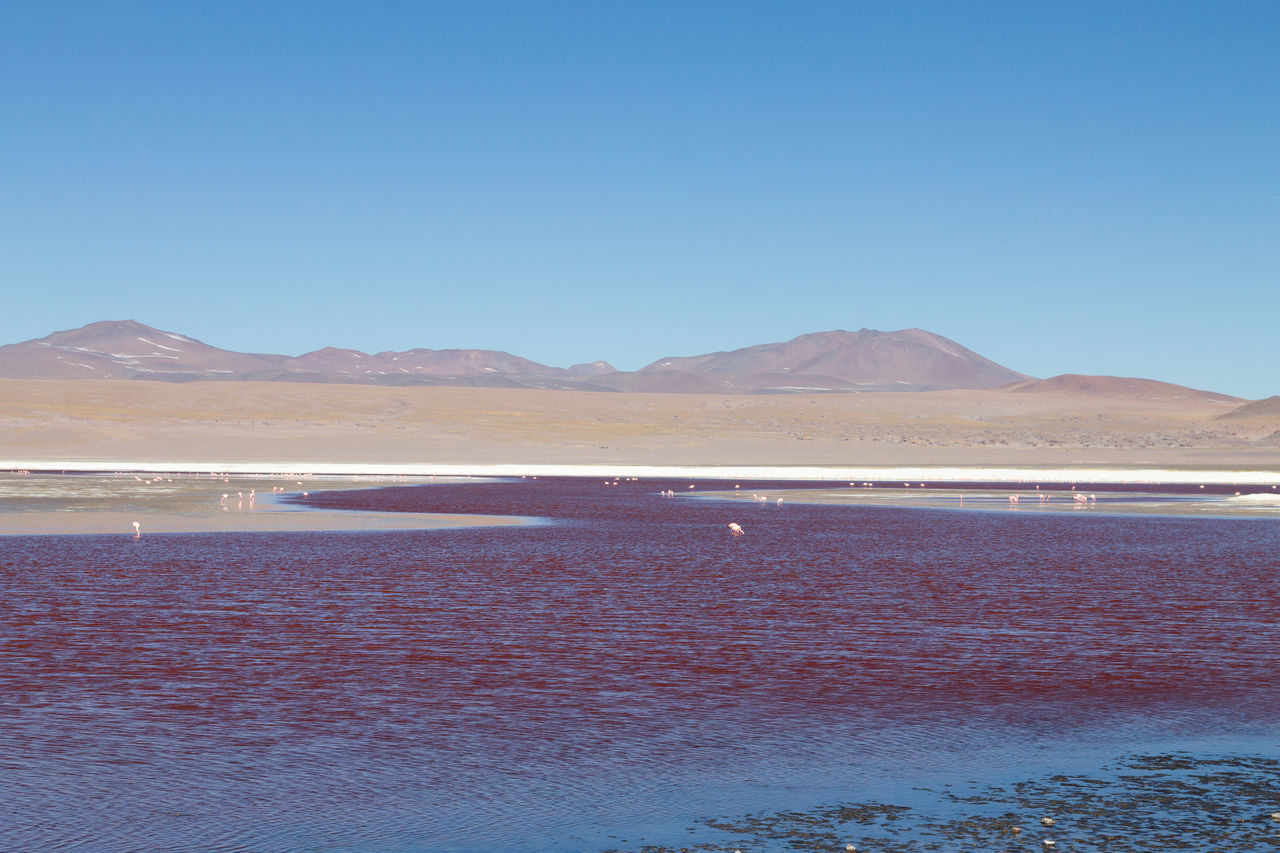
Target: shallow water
(1193,501)
(609,677)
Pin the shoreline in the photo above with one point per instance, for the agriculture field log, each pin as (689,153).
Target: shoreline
(1084,474)
(97,503)
(1263,505)
(262,521)
(105,497)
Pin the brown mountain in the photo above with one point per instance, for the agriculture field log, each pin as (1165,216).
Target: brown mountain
(866,360)
(1268,408)
(594,368)
(1113,386)
(128,349)
(420,362)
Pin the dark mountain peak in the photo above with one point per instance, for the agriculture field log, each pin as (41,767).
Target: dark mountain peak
(868,359)
(335,357)
(109,330)
(594,368)
(108,327)
(123,338)
(334,352)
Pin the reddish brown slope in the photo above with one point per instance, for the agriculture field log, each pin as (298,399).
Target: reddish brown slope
(1113,386)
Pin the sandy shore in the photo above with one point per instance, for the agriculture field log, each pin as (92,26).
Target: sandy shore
(270,430)
(1264,478)
(262,521)
(47,505)
(181,501)
(1261,502)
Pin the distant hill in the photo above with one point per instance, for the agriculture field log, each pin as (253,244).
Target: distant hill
(127,349)
(866,360)
(421,362)
(594,368)
(835,361)
(1113,386)
(130,350)
(1268,408)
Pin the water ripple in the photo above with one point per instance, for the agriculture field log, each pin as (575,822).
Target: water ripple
(628,665)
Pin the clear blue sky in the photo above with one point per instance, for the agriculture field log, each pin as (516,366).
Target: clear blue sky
(1060,186)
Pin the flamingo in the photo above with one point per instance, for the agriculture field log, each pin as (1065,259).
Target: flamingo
(137,529)
(735,528)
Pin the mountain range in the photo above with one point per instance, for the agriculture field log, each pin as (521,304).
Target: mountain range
(835,361)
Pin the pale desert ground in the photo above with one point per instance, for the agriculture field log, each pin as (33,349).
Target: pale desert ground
(132,421)
(274,427)
(36,504)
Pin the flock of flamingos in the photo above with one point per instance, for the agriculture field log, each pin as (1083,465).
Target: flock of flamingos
(735,529)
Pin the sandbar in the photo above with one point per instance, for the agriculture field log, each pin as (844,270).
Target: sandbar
(282,433)
(35,505)
(1081,503)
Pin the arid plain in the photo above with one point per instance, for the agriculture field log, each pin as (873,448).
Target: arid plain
(131,422)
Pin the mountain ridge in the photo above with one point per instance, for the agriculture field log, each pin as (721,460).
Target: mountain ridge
(878,360)
(832,361)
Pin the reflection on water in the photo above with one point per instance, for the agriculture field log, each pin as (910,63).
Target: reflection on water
(613,675)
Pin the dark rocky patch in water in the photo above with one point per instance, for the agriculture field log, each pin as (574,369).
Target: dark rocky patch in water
(1145,803)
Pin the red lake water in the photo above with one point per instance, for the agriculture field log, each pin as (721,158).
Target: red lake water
(613,674)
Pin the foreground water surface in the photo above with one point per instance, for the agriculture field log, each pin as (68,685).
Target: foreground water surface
(625,673)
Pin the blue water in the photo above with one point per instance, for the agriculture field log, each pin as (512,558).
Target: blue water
(610,677)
